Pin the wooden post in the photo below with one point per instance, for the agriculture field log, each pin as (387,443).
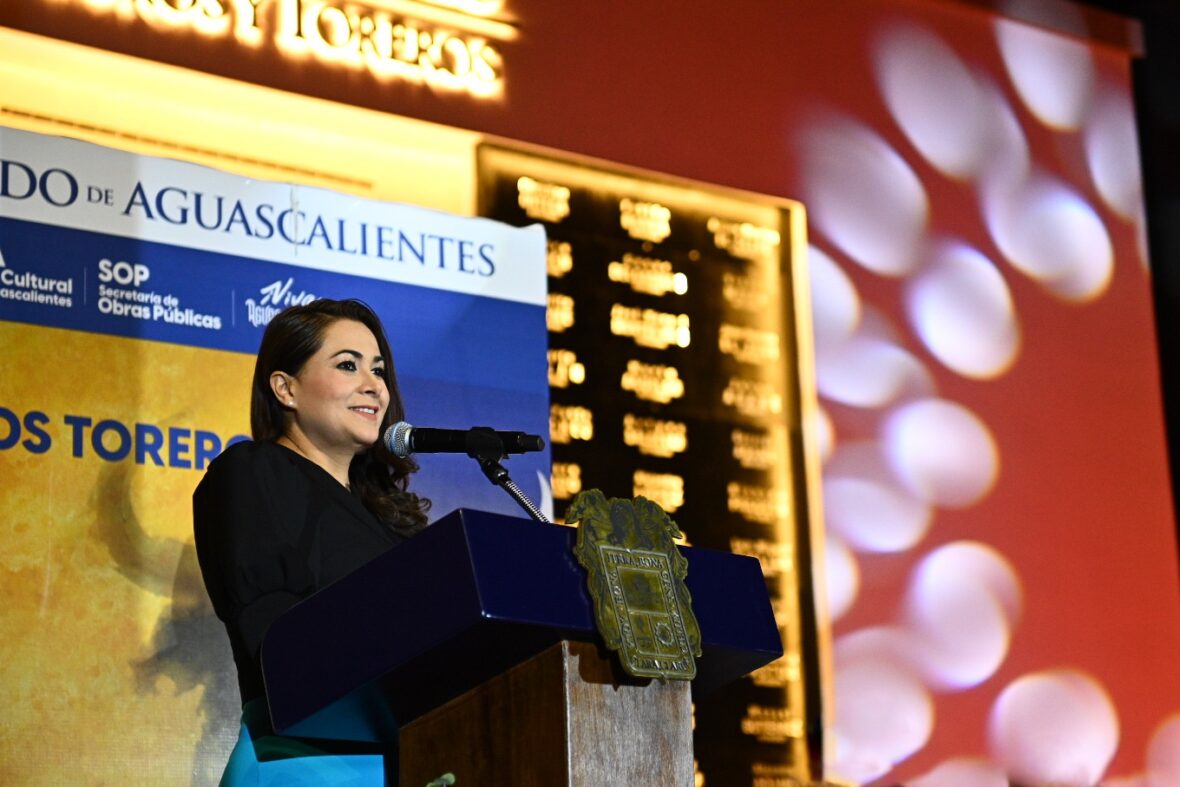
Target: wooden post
(564,718)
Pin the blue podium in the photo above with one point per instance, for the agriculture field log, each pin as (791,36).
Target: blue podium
(479,633)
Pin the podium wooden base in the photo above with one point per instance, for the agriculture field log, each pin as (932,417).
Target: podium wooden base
(560,719)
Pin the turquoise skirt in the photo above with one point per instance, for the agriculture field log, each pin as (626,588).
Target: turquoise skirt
(262,759)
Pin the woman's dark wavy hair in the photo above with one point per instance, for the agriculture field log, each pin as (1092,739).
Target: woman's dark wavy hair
(376,475)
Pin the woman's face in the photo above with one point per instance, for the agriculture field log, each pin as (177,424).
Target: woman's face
(339,396)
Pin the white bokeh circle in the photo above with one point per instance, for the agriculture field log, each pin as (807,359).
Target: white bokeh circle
(962,772)
(1049,232)
(841,576)
(835,303)
(961,609)
(883,715)
(1112,153)
(1053,73)
(941,452)
(960,307)
(1056,727)
(866,506)
(864,196)
(867,371)
(919,76)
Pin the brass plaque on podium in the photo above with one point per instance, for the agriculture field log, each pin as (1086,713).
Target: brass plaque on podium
(636,580)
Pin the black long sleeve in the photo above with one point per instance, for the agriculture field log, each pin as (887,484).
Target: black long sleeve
(271,528)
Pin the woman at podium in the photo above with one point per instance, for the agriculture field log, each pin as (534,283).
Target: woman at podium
(313,497)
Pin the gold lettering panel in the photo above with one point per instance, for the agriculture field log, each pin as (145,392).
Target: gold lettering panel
(565,369)
(542,201)
(779,673)
(752,450)
(649,221)
(742,239)
(654,437)
(648,276)
(650,328)
(752,397)
(559,312)
(652,382)
(749,345)
(776,558)
(567,479)
(746,292)
(664,489)
(770,724)
(763,774)
(759,504)
(568,423)
(559,258)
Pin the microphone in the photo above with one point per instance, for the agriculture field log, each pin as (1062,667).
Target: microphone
(402,439)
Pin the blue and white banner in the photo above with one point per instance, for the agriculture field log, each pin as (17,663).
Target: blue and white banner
(103,241)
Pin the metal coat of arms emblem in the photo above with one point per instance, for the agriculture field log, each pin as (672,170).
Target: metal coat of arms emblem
(636,580)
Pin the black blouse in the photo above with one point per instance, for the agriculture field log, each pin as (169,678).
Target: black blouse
(272,528)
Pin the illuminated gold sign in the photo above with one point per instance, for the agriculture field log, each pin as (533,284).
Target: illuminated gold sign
(645,220)
(444,43)
(542,201)
(664,489)
(652,277)
(568,423)
(773,774)
(559,312)
(742,239)
(760,504)
(650,328)
(565,369)
(652,382)
(770,724)
(567,479)
(559,259)
(777,674)
(655,437)
(753,450)
(745,292)
(748,345)
(775,557)
(752,397)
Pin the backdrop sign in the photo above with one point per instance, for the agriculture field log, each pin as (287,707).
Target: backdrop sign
(133,292)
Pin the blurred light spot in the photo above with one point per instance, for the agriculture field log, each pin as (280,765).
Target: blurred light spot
(842,576)
(962,772)
(941,452)
(1057,727)
(864,196)
(919,77)
(835,303)
(825,433)
(960,609)
(1163,754)
(865,505)
(1053,74)
(1132,781)
(883,715)
(1112,152)
(878,643)
(1050,233)
(868,372)
(961,309)
(1007,159)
